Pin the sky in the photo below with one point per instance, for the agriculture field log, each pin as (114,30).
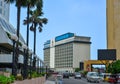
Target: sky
(82,17)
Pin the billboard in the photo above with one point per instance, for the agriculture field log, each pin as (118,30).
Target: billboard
(106,54)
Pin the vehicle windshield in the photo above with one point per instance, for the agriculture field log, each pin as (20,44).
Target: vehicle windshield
(93,74)
(77,73)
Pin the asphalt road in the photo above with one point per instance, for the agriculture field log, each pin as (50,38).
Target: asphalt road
(71,80)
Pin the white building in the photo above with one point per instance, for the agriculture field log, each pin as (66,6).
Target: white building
(65,52)
(6,44)
(4,9)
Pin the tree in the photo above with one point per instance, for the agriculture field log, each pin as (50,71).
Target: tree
(29,4)
(36,21)
(18,4)
(77,69)
(114,67)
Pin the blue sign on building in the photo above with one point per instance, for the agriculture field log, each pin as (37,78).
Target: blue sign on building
(64,36)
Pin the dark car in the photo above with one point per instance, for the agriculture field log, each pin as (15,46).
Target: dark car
(115,78)
(66,75)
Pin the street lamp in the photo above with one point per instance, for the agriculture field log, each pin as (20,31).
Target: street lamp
(38,65)
(30,54)
(25,70)
(46,70)
(34,62)
(14,38)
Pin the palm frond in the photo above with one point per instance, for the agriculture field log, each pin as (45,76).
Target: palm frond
(9,1)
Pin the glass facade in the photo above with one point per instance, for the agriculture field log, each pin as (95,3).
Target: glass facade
(4,9)
(47,44)
(64,36)
(9,28)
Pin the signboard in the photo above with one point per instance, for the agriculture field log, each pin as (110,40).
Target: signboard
(106,54)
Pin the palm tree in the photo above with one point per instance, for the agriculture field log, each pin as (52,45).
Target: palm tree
(18,3)
(36,21)
(29,4)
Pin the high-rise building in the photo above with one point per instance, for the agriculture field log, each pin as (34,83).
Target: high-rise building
(66,52)
(113,25)
(4,9)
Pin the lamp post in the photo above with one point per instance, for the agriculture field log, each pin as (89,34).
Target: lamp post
(38,65)
(30,53)
(34,62)
(25,70)
(46,70)
(14,38)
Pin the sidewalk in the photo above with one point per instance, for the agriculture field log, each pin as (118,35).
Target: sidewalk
(49,82)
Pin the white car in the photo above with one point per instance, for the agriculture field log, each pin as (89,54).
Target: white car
(59,79)
(77,75)
(93,77)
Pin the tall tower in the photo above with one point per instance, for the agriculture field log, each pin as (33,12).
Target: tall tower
(113,25)
(4,9)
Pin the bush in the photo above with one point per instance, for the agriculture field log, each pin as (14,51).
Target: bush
(12,78)
(5,80)
(19,77)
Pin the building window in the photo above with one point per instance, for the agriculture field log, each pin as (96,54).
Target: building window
(0,11)
(0,3)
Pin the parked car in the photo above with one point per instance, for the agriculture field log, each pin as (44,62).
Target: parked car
(77,75)
(93,77)
(118,78)
(114,78)
(66,75)
(59,79)
(106,76)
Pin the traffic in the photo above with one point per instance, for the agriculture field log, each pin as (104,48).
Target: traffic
(88,78)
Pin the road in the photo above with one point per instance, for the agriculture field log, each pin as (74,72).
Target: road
(71,80)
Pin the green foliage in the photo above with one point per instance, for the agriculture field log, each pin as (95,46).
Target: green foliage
(114,67)
(12,78)
(6,80)
(34,74)
(43,73)
(77,69)
(19,77)
(8,34)
(84,73)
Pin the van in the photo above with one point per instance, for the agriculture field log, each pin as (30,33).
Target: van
(93,77)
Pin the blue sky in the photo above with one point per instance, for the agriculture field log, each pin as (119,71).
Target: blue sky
(82,17)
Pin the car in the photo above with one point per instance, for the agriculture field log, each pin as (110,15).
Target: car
(118,78)
(77,75)
(59,79)
(93,77)
(102,76)
(66,75)
(114,78)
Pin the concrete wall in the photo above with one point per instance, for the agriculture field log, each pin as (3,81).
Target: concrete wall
(113,25)
(7,58)
(81,52)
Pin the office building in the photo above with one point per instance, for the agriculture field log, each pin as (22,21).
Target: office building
(66,52)
(6,46)
(4,9)
(113,25)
